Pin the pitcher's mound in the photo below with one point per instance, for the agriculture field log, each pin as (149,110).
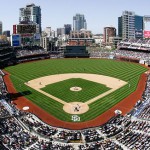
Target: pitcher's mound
(75,88)
(76,108)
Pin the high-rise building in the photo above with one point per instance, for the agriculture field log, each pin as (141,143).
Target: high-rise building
(6,33)
(1,27)
(120,26)
(138,27)
(138,22)
(30,14)
(109,32)
(48,31)
(67,28)
(60,31)
(126,25)
(79,22)
(130,25)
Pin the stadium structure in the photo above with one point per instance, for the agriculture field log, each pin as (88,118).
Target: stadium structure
(23,128)
(132,44)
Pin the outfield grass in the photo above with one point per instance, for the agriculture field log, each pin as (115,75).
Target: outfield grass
(62,90)
(128,72)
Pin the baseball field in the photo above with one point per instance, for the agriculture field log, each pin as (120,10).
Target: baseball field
(85,88)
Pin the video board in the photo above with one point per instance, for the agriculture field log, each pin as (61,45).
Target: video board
(26,28)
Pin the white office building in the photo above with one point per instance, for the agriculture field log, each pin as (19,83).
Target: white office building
(128,24)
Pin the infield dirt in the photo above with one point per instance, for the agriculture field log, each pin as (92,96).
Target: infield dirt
(112,83)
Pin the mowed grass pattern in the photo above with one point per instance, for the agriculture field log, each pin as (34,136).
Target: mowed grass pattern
(128,72)
(62,90)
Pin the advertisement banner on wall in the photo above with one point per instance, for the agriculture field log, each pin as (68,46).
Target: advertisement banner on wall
(16,40)
(138,34)
(146,34)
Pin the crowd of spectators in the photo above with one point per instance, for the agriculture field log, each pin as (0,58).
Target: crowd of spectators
(48,145)
(142,110)
(140,125)
(3,92)
(116,54)
(91,135)
(106,144)
(29,50)
(3,95)
(145,114)
(3,111)
(132,54)
(30,53)
(68,136)
(134,139)
(113,126)
(22,53)
(13,135)
(37,125)
(135,44)
(100,54)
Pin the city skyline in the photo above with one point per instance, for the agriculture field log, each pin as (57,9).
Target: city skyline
(55,14)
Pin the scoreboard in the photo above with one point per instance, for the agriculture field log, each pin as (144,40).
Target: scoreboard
(25,28)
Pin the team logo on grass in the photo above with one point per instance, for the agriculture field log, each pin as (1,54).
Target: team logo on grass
(75,118)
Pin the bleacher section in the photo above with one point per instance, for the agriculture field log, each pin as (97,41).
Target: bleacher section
(29,53)
(132,44)
(7,55)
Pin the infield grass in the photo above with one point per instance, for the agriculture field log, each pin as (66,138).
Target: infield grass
(62,90)
(128,72)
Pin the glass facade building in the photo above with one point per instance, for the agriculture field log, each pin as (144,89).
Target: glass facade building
(120,26)
(138,22)
(67,28)
(138,27)
(130,25)
(79,22)
(30,14)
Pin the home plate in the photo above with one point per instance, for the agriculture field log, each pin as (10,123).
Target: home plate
(76,108)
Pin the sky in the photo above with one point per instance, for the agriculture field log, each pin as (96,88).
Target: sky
(56,13)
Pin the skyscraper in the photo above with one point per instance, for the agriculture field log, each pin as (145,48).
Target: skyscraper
(138,27)
(67,28)
(30,14)
(138,22)
(120,26)
(1,28)
(130,25)
(6,33)
(79,22)
(48,31)
(60,31)
(126,25)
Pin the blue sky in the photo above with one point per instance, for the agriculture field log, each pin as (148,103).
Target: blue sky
(56,13)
